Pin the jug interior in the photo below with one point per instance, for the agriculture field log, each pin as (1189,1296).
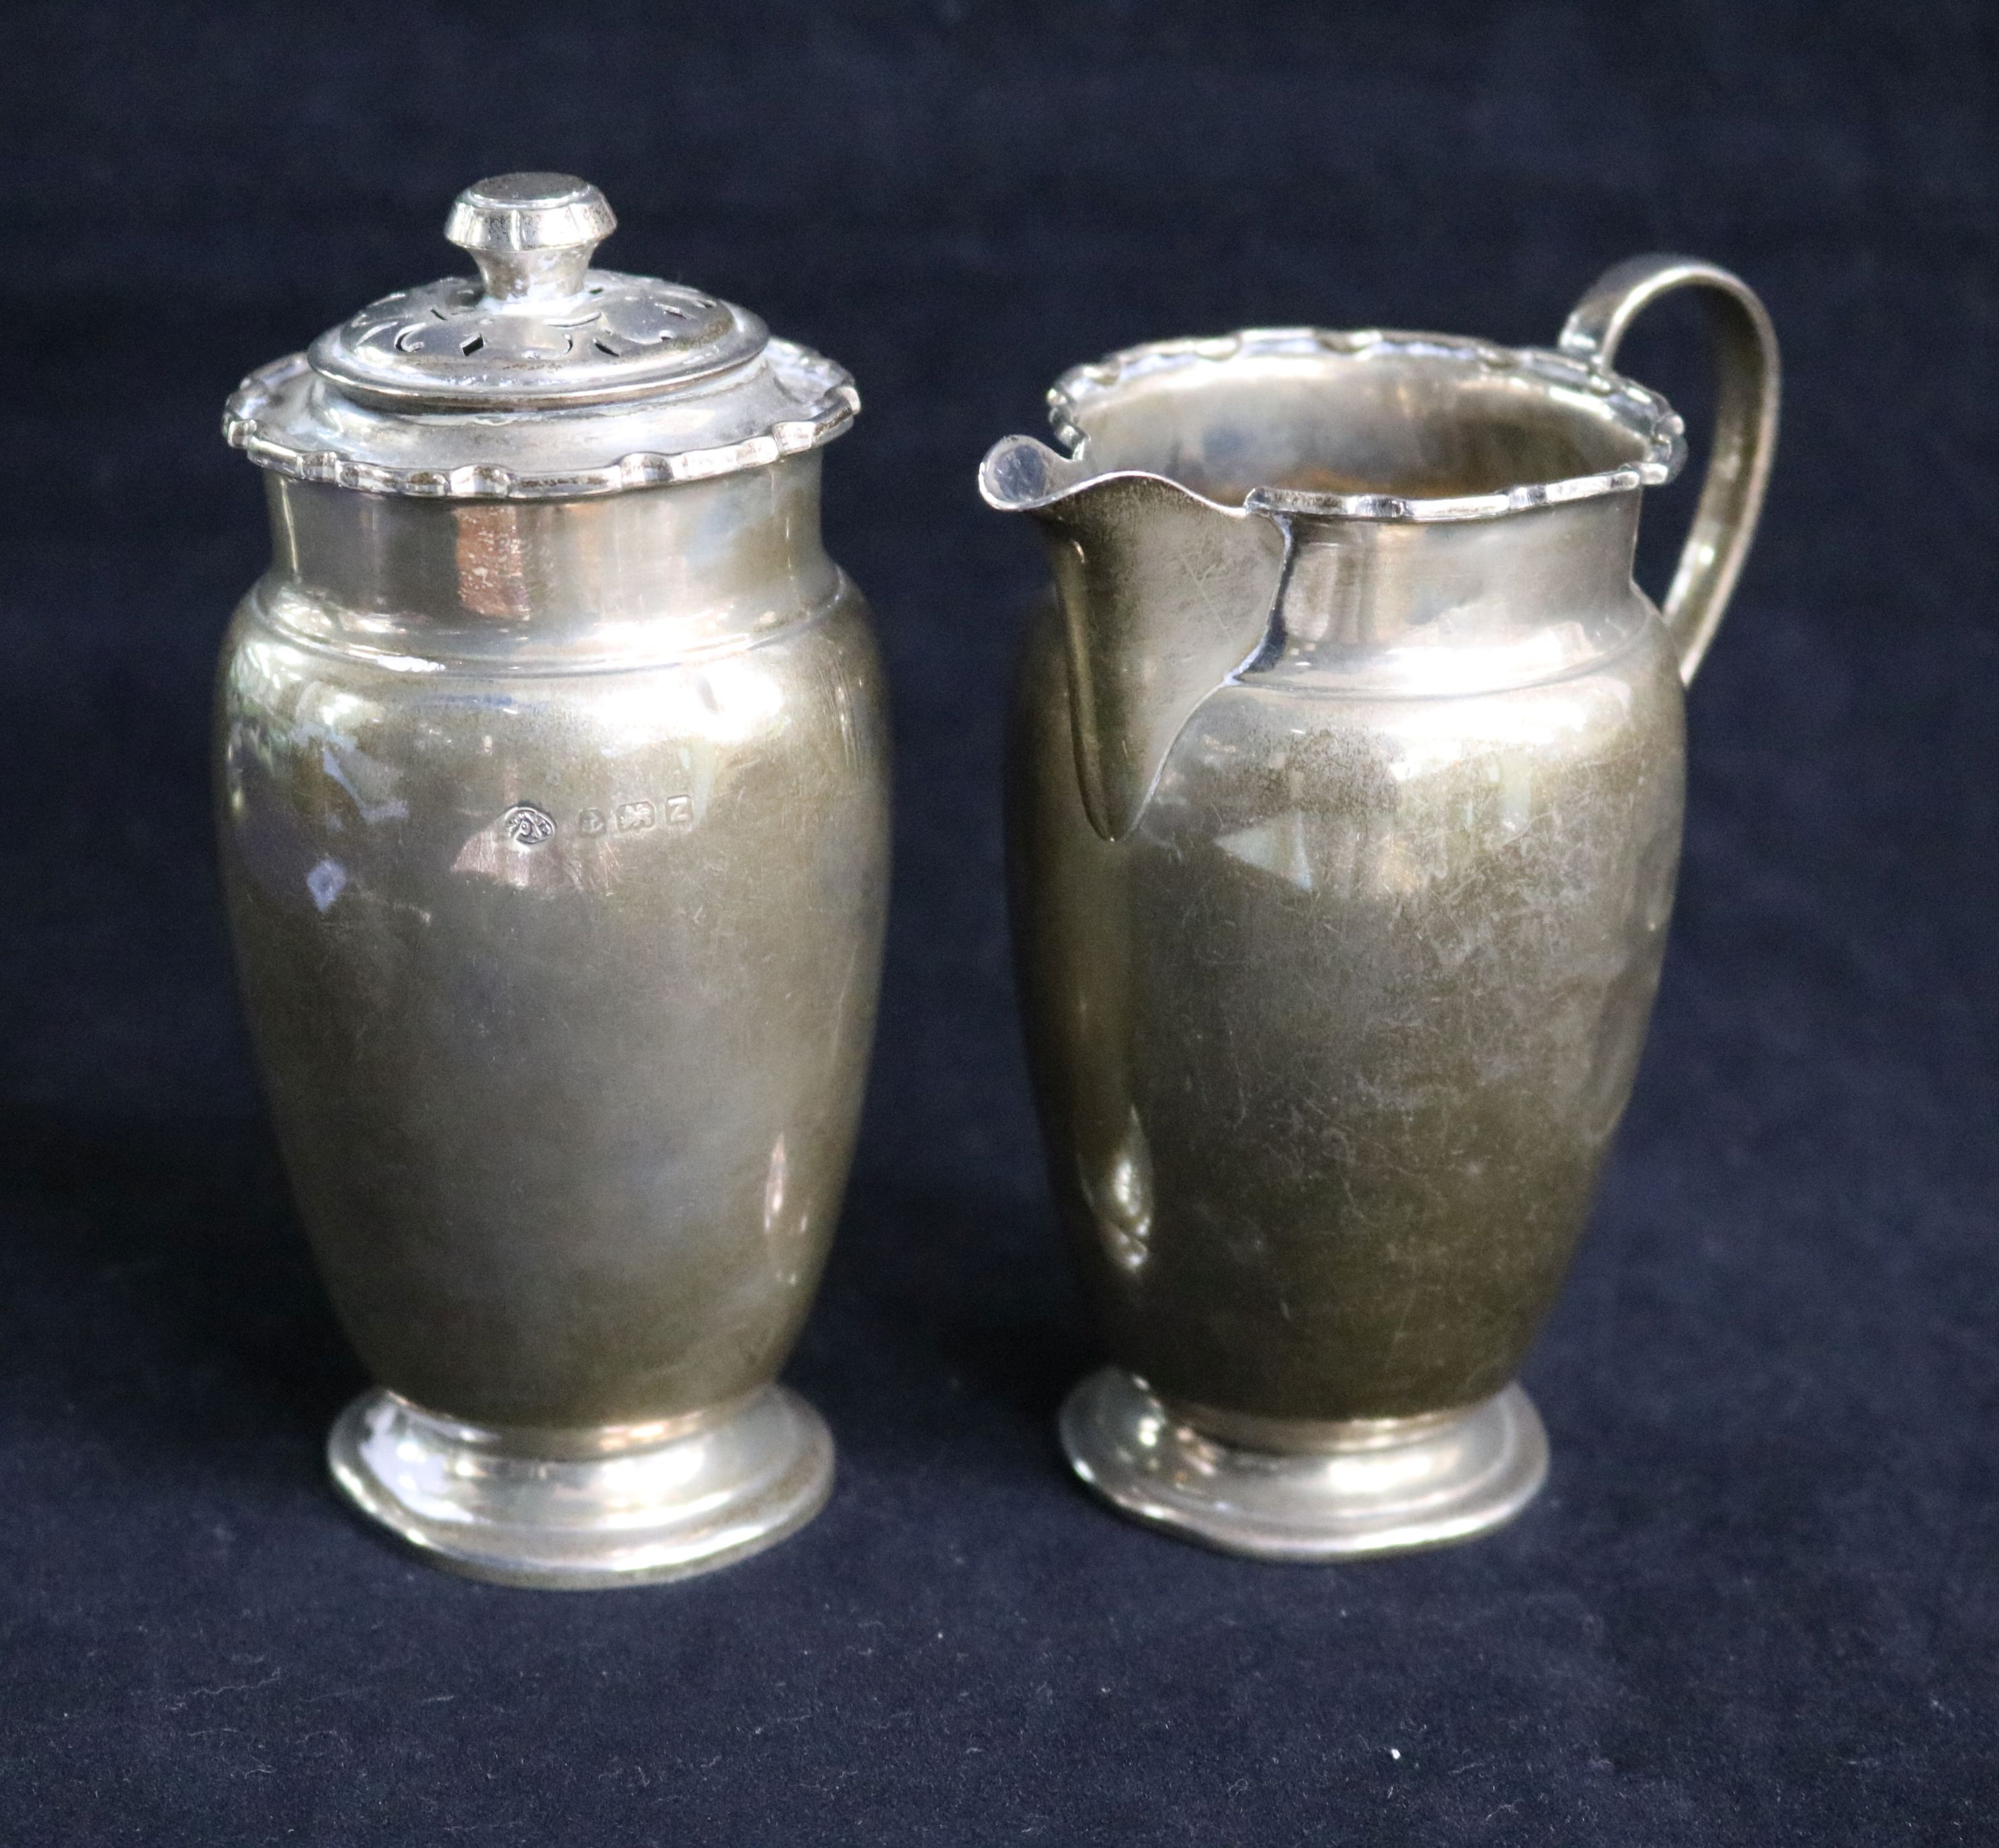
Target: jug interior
(1383,421)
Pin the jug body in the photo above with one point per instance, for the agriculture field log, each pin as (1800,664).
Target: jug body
(1331,1046)
(554,828)
(1331,1023)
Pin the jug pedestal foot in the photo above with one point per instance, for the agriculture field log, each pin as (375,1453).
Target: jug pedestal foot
(1378,1485)
(632,1505)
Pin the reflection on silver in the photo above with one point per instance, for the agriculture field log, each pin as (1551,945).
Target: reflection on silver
(694,1495)
(1378,1486)
(1121,1194)
(326,881)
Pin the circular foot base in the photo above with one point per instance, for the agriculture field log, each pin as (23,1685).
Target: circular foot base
(1380,1485)
(630,1508)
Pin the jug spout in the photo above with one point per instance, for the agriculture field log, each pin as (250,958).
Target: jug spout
(1164,596)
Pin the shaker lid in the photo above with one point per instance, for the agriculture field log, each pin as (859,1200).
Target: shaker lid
(543,377)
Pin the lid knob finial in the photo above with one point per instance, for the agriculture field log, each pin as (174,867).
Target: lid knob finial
(532,234)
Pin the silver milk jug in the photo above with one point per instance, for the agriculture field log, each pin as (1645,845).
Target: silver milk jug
(1345,813)
(552,781)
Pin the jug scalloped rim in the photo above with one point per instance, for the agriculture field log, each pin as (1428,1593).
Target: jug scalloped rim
(1608,395)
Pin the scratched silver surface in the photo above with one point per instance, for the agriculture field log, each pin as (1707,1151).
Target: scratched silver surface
(1347,781)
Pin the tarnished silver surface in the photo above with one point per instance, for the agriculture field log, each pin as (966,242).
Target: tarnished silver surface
(1371,1487)
(1345,812)
(555,838)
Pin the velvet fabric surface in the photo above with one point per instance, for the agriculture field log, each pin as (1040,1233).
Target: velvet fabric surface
(1759,1600)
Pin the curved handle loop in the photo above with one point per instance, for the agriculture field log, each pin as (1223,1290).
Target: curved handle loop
(1744,347)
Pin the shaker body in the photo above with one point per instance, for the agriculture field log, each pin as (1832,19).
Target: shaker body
(557,880)
(552,786)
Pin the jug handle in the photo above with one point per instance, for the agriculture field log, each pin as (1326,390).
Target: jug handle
(1745,347)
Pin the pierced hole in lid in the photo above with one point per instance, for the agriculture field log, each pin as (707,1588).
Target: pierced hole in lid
(438,313)
(609,352)
(473,346)
(595,289)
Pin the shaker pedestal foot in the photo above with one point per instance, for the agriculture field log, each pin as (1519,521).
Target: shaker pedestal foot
(1376,1485)
(630,1507)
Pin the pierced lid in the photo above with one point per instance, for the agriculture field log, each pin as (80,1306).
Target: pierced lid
(617,381)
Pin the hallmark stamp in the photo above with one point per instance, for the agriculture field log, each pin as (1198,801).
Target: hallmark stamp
(634,817)
(527,826)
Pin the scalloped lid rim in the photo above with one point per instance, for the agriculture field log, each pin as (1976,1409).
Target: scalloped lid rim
(289,419)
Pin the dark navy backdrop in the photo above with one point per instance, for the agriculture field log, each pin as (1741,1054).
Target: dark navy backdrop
(1758,1601)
